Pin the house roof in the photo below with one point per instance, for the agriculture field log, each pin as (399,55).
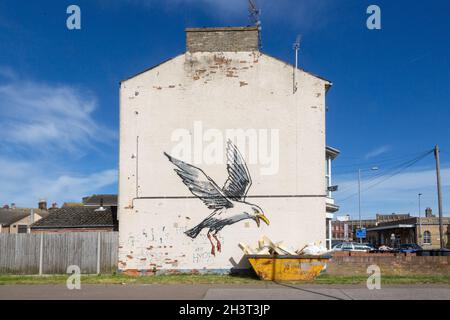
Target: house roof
(78,217)
(72,204)
(9,216)
(96,200)
(394,226)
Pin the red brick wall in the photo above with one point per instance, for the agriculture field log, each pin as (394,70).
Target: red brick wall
(347,264)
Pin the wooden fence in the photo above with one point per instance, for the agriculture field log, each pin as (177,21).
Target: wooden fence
(53,253)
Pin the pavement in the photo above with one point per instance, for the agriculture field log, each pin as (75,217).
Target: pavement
(265,291)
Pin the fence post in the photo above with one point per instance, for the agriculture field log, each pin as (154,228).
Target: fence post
(41,247)
(98,252)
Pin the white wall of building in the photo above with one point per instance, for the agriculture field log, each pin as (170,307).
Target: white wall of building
(217,92)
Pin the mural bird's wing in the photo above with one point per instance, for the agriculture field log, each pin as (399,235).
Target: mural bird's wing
(201,185)
(239,181)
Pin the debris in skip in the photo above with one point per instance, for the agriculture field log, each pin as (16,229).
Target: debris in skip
(277,261)
(267,247)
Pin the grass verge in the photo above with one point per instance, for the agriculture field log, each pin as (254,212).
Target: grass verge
(124,279)
(210,279)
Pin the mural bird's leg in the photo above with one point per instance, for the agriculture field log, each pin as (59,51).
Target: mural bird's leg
(219,246)
(213,249)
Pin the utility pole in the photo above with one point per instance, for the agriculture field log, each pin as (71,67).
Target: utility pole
(359,201)
(359,197)
(438,177)
(419,238)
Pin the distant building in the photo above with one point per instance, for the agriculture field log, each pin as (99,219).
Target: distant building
(429,213)
(72,204)
(344,228)
(382,218)
(95,213)
(78,219)
(423,231)
(100,199)
(18,220)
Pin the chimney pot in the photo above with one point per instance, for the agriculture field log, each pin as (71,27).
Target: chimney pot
(42,204)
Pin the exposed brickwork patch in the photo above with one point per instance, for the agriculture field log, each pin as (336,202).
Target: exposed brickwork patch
(222,39)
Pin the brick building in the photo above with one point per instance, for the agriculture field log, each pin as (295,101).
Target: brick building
(344,228)
(423,231)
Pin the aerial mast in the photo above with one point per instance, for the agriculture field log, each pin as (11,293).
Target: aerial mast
(296,47)
(255,18)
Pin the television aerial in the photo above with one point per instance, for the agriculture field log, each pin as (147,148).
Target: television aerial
(296,47)
(255,18)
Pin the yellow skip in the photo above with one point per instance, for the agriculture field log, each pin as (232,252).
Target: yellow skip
(288,268)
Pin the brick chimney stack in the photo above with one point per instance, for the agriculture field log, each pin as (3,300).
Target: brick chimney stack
(228,39)
(42,204)
(429,213)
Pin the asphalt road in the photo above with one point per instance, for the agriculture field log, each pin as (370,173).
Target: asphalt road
(266,291)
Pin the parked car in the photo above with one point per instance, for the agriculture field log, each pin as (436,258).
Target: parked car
(409,248)
(351,246)
(371,246)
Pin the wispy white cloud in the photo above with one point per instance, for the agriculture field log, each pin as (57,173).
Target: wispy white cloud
(397,194)
(378,151)
(45,130)
(46,117)
(24,182)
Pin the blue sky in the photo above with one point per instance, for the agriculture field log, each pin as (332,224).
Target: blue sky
(390,101)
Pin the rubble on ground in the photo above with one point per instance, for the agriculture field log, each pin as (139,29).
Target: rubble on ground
(268,247)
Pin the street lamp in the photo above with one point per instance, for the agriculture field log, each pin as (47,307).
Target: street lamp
(359,197)
(420,222)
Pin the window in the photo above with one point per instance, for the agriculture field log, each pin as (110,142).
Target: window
(347,246)
(23,228)
(427,237)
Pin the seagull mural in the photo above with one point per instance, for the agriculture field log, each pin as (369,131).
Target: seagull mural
(228,203)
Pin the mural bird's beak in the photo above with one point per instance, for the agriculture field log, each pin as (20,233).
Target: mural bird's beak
(263,218)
